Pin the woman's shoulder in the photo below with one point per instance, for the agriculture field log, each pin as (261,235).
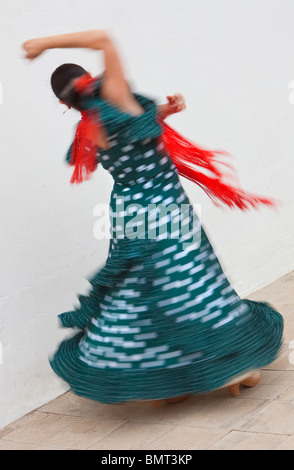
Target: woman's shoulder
(118,120)
(139,96)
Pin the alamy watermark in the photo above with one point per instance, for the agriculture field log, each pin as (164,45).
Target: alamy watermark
(151,221)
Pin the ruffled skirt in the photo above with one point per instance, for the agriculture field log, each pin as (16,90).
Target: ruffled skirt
(161,318)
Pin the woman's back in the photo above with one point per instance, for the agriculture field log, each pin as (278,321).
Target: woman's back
(135,150)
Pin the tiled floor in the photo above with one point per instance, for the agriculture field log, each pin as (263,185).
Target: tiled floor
(260,418)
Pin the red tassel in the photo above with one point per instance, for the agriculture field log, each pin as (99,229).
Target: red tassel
(186,156)
(84,152)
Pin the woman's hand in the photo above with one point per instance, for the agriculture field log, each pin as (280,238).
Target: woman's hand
(33,48)
(176,103)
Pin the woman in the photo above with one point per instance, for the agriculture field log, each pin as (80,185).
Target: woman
(161,321)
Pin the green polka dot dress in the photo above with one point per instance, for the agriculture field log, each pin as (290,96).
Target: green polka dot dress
(160,319)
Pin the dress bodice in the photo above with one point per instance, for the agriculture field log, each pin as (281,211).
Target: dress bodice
(135,153)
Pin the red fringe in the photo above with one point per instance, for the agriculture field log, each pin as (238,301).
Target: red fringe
(84,152)
(186,156)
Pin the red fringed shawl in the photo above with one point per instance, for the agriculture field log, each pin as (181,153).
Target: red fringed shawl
(187,157)
(85,162)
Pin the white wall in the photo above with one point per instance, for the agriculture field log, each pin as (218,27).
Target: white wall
(232,60)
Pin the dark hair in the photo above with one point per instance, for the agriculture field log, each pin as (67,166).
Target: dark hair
(61,77)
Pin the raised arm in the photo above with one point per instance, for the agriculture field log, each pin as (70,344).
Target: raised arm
(114,86)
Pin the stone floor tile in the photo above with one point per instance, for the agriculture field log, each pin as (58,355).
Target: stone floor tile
(26,419)
(72,405)
(79,433)
(262,392)
(62,432)
(238,440)
(277,377)
(277,417)
(288,444)
(222,413)
(203,411)
(167,413)
(11,445)
(131,436)
(187,438)
(36,431)
(287,394)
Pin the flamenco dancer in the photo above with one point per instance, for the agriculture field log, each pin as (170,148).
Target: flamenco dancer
(161,321)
